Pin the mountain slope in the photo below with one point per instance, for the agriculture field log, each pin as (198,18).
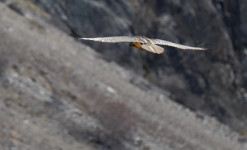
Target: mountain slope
(58,94)
(212,82)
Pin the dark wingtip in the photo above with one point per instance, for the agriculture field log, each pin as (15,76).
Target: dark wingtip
(75,35)
(208,48)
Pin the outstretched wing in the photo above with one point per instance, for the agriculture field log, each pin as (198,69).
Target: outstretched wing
(180,46)
(153,48)
(113,39)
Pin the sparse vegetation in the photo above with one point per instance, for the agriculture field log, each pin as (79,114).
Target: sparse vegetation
(116,118)
(58,95)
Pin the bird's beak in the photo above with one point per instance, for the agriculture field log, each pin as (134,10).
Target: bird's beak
(130,44)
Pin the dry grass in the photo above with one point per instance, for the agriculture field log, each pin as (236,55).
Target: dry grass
(116,118)
(29,5)
(118,123)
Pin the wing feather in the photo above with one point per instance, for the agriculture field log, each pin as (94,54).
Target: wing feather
(113,39)
(180,46)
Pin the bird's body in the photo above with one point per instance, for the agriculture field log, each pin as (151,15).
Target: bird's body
(141,42)
(136,44)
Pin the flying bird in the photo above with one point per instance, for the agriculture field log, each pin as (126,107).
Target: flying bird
(140,42)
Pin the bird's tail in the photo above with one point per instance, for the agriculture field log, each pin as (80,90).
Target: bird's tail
(153,48)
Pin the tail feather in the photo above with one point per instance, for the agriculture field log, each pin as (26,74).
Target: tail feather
(153,48)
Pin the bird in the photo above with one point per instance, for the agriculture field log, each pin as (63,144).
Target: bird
(140,42)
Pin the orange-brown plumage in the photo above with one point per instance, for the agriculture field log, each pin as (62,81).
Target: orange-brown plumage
(136,44)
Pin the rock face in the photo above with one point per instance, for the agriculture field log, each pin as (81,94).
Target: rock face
(212,82)
(58,94)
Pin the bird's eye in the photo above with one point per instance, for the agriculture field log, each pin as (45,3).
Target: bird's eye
(142,43)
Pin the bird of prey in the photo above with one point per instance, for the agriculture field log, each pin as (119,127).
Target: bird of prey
(140,42)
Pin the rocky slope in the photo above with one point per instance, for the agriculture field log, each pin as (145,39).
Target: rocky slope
(212,82)
(58,94)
